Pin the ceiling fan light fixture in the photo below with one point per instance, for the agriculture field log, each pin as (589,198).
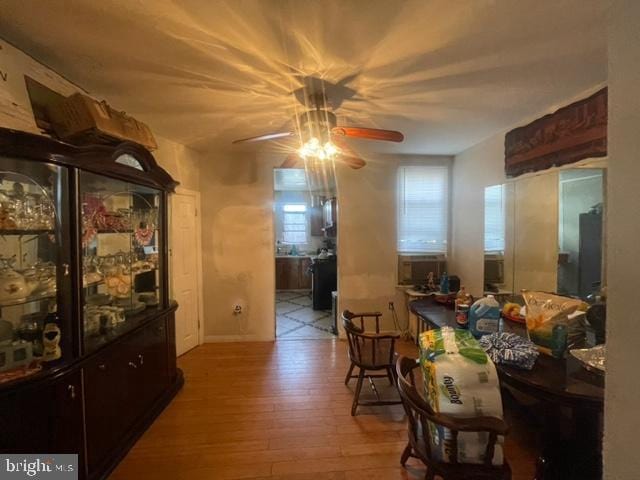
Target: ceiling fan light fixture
(314,149)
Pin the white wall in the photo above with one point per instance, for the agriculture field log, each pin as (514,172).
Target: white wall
(367,253)
(15,110)
(536,233)
(474,169)
(238,251)
(237,246)
(622,417)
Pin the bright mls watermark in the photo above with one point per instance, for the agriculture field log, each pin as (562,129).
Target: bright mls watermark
(38,467)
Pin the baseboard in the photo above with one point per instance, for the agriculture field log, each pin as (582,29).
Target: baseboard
(237,338)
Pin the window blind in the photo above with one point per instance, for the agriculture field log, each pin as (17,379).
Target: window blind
(494,219)
(294,224)
(423,198)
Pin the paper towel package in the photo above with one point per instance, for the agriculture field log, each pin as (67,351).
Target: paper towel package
(460,380)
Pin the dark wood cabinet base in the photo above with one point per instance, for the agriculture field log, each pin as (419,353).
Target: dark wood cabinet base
(99,406)
(136,431)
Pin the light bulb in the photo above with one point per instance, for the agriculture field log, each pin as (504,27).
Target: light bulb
(330,149)
(313,148)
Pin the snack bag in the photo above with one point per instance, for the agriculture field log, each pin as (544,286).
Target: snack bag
(545,312)
(460,380)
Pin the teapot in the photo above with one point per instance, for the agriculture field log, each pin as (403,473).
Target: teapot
(46,277)
(14,286)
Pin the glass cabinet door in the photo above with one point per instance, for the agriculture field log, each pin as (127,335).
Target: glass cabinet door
(120,253)
(35,297)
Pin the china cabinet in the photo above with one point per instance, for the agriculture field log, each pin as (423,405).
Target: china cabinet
(87,334)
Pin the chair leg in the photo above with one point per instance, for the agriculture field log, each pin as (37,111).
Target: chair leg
(356,395)
(405,454)
(390,375)
(349,373)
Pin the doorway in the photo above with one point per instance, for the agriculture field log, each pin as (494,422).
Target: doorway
(186,268)
(305,255)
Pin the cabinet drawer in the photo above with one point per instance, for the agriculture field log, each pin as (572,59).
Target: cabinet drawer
(121,384)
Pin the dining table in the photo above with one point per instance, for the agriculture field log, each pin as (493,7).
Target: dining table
(564,389)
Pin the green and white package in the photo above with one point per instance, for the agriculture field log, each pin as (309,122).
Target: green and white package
(460,380)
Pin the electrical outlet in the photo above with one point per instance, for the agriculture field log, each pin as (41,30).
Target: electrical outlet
(237,309)
(391,306)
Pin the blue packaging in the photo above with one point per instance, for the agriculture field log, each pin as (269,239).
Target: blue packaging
(484,316)
(444,283)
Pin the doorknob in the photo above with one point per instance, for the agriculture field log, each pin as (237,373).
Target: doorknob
(140,360)
(72,391)
(133,365)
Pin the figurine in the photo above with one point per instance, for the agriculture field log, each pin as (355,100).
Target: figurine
(51,342)
(431,284)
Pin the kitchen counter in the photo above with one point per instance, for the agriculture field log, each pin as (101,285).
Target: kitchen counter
(306,255)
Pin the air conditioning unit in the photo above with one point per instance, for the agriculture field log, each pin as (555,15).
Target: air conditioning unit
(414,269)
(494,268)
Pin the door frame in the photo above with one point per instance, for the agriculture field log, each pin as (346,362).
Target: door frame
(192,193)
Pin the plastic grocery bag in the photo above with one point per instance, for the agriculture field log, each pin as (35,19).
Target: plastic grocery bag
(460,380)
(545,312)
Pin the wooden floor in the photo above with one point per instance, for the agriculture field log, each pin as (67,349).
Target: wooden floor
(280,411)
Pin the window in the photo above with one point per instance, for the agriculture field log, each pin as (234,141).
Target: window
(494,219)
(423,197)
(294,223)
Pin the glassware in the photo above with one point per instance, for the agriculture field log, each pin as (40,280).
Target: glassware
(33,202)
(120,223)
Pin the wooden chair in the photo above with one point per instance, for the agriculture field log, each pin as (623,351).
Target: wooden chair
(369,351)
(420,413)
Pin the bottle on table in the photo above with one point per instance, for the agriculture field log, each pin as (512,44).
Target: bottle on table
(462,304)
(484,316)
(444,283)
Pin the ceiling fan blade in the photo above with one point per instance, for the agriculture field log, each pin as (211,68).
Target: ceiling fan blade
(291,160)
(347,155)
(260,138)
(353,162)
(368,133)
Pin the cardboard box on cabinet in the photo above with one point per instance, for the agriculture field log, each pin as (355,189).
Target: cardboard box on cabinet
(80,119)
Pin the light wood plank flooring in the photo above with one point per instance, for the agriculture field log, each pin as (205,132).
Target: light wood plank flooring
(279,411)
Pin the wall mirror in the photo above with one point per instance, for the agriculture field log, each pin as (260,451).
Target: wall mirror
(545,232)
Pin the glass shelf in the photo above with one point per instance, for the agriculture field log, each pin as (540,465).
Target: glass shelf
(102,282)
(19,232)
(121,242)
(32,298)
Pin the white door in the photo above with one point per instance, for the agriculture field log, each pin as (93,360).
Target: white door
(185,265)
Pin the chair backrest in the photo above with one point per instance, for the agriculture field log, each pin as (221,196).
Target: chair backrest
(420,413)
(369,350)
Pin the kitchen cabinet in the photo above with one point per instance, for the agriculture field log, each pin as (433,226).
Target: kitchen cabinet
(305,275)
(330,217)
(316,221)
(292,273)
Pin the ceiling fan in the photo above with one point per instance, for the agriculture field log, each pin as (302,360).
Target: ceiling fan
(322,139)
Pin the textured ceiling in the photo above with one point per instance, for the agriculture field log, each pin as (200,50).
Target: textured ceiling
(446,73)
